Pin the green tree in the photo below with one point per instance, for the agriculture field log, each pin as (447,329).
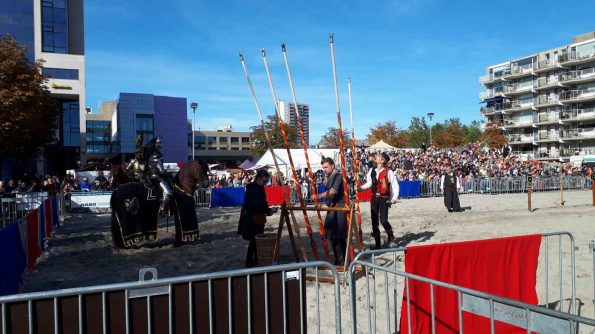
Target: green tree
(331,139)
(419,132)
(472,132)
(28,115)
(273,128)
(449,134)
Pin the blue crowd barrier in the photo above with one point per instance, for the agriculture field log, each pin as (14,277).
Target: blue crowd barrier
(409,188)
(222,197)
(13,259)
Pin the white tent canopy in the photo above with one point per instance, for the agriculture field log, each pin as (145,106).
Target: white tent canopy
(299,159)
(381,145)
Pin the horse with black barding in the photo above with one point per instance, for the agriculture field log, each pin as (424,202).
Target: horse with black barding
(135,208)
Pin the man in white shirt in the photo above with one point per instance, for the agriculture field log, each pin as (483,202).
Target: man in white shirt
(385,191)
(450,185)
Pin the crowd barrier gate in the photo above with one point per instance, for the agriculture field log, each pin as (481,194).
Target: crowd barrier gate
(495,308)
(392,259)
(259,300)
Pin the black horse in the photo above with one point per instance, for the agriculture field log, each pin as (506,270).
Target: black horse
(135,207)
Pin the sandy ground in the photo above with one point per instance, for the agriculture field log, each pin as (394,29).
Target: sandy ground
(80,254)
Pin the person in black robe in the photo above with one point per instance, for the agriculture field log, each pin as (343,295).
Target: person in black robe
(335,222)
(255,205)
(450,185)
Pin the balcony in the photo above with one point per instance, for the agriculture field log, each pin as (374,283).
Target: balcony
(577,77)
(521,139)
(575,57)
(520,71)
(488,94)
(517,89)
(493,77)
(547,65)
(488,111)
(548,136)
(544,83)
(578,114)
(579,134)
(548,118)
(545,155)
(518,105)
(516,123)
(580,95)
(548,100)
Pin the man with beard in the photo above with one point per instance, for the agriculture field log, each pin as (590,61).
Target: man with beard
(335,222)
(449,185)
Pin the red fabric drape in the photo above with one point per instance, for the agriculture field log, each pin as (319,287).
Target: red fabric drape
(275,194)
(505,267)
(33,248)
(47,206)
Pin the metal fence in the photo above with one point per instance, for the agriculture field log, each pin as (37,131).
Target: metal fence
(518,314)
(259,300)
(202,197)
(379,299)
(17,207)
(507,185)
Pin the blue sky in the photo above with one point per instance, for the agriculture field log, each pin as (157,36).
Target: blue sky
(405,57)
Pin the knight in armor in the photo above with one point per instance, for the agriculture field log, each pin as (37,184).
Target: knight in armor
(385,192)
(136,168)
(156,174)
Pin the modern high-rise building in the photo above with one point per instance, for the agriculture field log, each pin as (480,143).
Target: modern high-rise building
(545,102)
(53,30)
(289,116)
(153,116)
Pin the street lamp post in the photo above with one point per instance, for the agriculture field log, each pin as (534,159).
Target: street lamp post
(193,105)
(430,115)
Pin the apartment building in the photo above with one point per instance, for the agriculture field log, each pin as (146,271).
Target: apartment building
(545,102)
(289,116)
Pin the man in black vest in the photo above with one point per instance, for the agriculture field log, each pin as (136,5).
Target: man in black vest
(385,191)
(449,185)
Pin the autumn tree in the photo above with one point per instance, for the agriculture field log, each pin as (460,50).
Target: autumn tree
(493,135)
(331,139)
(388,132)
(28,115)
(273,128)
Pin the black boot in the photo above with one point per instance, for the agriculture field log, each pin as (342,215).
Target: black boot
(339,254)
(390,240)
(377,243)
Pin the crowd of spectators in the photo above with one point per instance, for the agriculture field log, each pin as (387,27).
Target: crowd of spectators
(472,160)
(52,184)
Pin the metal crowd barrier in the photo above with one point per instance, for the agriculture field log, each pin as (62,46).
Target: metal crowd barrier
(381,291)
(504,185)
(17,207)
(259,300)
(495,308)
(202,197)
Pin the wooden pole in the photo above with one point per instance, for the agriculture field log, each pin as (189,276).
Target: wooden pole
(529,190)
(286,192)
(562,189)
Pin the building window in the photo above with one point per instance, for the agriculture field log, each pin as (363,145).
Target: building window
(223,140)
(61,73)
(245,149)
(144,125)
(71,130)
(245,140)
(235,140)
(235,148)
(54,23)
